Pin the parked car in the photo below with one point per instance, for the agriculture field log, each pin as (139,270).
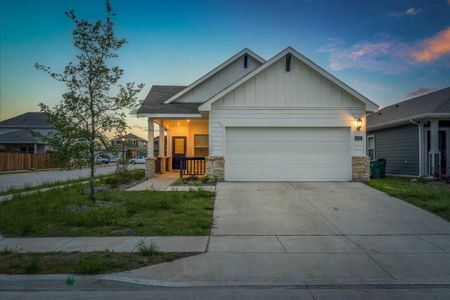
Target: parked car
(101,158)
(137,160)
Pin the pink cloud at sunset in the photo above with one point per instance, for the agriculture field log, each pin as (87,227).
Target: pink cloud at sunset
(433,48)
(386,54)
(420,91)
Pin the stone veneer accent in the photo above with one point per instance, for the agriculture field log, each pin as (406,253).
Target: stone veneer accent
(361,168)
(215,166)
(150,166)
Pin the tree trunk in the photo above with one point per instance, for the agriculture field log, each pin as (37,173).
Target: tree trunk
(92,177)
(92,152)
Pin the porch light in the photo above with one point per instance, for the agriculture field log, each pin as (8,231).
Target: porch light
(188,120)
(178,123)
(358,124)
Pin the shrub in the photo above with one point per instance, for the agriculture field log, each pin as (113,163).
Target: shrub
(89,265)
(104,215)
(33,265)
(112,181)
(151,249)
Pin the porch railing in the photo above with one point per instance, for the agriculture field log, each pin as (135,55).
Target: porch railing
(192,166)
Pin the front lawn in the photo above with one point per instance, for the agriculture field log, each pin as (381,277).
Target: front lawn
(67,212)
(425,194)
(79,262)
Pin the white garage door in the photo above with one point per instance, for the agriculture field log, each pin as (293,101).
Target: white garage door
(287,154)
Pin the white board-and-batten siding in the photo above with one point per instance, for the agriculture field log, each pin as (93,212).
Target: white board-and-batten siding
(220,80)
(276,98)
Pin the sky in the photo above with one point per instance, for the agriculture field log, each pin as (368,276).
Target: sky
(387,50)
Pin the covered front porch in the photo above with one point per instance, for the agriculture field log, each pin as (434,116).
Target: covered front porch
(182,146)
(435,147)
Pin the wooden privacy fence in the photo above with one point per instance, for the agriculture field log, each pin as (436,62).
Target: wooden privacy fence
(23,161)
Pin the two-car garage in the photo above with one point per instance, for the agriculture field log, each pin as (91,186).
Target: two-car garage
(287,154)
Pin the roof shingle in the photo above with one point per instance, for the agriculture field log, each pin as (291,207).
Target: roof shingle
(28,120)
(21,136)
(153,103)
(437,102)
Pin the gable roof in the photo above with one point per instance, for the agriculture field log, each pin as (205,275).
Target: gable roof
(370,106)
(129,136)
(153,104)
(28,120)
(214,71)
(21,136)
(436,104)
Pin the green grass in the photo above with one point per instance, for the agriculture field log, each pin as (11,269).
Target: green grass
(421,193)
(79,262)
(51,213)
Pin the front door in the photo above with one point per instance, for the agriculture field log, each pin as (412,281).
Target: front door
(178,150)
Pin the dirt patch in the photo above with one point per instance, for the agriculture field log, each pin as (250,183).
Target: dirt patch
(82,208)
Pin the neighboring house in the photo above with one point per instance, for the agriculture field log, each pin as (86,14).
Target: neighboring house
(22,133)
(413,135)
(256,120)
(133,145)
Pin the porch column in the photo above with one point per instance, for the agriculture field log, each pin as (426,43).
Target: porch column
(150,160)
(35,148)
(434,154)
(162,143)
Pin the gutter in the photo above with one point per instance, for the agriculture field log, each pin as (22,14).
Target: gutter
(407,120)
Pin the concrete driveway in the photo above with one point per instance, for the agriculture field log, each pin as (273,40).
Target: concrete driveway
(297,233)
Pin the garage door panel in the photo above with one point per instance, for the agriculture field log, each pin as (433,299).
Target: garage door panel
(296,154)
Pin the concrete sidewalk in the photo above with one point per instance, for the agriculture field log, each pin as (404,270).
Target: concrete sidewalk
(116,244)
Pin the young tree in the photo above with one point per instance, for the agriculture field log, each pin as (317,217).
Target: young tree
(95,100)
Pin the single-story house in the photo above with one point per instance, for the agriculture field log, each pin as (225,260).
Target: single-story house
(413,135)
(256,120)
(22,133)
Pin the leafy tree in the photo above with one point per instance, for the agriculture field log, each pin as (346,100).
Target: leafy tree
(95,100)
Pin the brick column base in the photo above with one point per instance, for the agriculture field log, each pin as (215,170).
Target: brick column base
(361,168)
(150,165)
(215,166)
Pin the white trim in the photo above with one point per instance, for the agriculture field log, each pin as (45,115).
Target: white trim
(214,71)
(374,146)
(425,144)
(236,107)
(407,120)
(169,115)
(370,106)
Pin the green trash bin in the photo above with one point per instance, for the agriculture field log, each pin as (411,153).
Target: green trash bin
(374,169)
(382,166)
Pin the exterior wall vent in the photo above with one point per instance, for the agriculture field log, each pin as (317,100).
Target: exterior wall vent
(288,62)
(245,61)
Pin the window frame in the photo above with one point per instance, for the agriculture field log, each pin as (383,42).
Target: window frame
(201,147)
(374,147)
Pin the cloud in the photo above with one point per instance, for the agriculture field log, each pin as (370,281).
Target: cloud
(420,91)
(385,54)
(433,48)
(382,54)
(412,11)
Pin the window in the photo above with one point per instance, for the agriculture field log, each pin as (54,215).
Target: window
(201,145)
(371,146)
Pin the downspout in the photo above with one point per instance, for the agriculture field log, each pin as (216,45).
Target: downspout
(420,145)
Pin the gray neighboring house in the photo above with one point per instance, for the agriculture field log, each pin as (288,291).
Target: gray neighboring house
(413,135)
(17,134)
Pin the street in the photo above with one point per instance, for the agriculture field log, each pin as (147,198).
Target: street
(19,180)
